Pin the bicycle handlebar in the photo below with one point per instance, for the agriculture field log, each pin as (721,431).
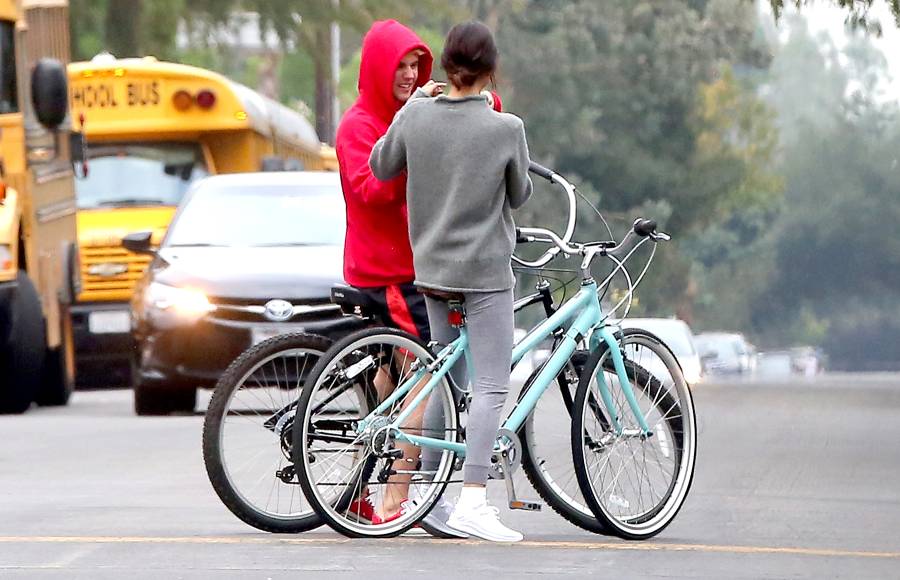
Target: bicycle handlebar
(640,229)
(542,171)
(556,178)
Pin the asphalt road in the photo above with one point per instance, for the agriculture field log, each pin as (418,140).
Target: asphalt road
(794,480)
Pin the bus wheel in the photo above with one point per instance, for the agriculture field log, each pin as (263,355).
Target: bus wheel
(58,383)
(22,357)
(56,386)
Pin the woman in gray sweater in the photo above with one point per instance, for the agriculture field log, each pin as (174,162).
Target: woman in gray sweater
(467,170)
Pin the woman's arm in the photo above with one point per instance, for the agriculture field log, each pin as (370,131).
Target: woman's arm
(388,156)
(518,183)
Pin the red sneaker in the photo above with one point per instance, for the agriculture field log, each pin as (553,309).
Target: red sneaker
(364,510)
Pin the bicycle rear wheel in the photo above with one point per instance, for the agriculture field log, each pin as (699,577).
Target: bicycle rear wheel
(248,433)
(635,484)
(347,455)
(546,444)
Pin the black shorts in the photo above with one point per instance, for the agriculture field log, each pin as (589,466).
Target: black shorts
(401,306)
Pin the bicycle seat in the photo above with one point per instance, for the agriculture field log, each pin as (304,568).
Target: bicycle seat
(442,295)
(352,301)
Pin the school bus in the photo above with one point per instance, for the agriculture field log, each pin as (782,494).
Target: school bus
(151,128)
(37,206)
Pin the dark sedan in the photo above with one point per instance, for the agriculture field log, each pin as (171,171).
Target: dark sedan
(246,257)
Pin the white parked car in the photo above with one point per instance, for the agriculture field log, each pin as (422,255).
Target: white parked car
(726,353)
(677,335)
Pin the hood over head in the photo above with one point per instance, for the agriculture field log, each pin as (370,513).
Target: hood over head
(385,44)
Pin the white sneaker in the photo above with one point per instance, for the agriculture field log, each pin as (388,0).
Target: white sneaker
(435,523)
(482,521)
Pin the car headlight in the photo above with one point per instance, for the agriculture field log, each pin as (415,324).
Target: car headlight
(187,302)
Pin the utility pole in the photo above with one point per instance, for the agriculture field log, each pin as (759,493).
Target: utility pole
(335,71)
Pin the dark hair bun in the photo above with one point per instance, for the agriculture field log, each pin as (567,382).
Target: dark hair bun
(469,53)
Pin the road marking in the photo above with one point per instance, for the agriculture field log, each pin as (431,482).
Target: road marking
(568,545)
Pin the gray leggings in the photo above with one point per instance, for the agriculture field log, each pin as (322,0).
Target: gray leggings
(489,323)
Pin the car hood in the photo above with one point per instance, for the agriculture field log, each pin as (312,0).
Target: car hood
(250,273)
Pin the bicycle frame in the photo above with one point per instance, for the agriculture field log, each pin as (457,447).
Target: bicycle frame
(581,315)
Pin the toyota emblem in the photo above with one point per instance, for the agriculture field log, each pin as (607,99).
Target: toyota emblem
(279,310)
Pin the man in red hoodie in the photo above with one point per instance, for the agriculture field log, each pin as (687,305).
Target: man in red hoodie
(377,253)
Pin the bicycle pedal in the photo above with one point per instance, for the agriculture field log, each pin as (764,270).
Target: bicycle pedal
(529,506)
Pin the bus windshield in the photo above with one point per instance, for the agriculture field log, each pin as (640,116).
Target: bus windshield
(138,174)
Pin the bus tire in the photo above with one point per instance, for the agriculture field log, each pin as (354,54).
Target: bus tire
(56,386)
(22,357)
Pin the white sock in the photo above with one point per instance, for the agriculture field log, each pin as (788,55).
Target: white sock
(472,496)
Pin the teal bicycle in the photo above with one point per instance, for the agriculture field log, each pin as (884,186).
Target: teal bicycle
(379,397)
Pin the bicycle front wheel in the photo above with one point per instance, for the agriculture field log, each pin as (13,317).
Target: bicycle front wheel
(634,483)
(248,433)
(356,470)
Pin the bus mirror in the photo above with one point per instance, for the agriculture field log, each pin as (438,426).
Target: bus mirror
(78,154)
(76,146)
(49,92)
(138,242)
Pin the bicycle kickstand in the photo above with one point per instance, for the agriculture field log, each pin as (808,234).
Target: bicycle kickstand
(514,502)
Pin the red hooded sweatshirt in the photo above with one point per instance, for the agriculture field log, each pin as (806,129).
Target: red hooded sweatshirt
(376,249)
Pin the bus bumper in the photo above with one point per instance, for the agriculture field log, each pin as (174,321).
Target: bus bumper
(103,344)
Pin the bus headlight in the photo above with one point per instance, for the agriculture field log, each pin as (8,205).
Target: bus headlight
(185,302)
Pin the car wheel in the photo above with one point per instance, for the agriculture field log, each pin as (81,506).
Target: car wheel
(158,400)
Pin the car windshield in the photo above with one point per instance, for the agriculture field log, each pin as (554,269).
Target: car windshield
(138,174)
(261,216)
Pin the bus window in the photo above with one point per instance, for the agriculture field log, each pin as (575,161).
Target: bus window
(130,174)
(9,101)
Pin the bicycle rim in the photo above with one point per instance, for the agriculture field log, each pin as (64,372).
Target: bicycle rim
(248,434)
(635,484)
(341,464)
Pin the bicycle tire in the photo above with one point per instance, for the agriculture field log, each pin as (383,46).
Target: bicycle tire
(674,434)
(562,496)
(348,353)
(222,405)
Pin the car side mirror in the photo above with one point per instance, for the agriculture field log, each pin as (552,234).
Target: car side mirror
(139,243)
(49,92)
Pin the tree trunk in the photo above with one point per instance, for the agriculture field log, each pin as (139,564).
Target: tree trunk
(123,27)
(324,88)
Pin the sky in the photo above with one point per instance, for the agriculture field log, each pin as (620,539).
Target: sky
(822,15)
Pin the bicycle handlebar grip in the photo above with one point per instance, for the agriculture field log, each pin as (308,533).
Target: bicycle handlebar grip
(539,169)
(644,227)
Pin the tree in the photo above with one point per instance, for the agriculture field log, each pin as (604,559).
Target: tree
(638,103)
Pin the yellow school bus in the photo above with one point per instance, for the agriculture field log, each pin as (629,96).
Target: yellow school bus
(151,128)
(37,206)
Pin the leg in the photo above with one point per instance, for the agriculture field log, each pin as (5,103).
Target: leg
(489,321)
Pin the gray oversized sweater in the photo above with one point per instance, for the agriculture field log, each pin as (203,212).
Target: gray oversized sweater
(467,169)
